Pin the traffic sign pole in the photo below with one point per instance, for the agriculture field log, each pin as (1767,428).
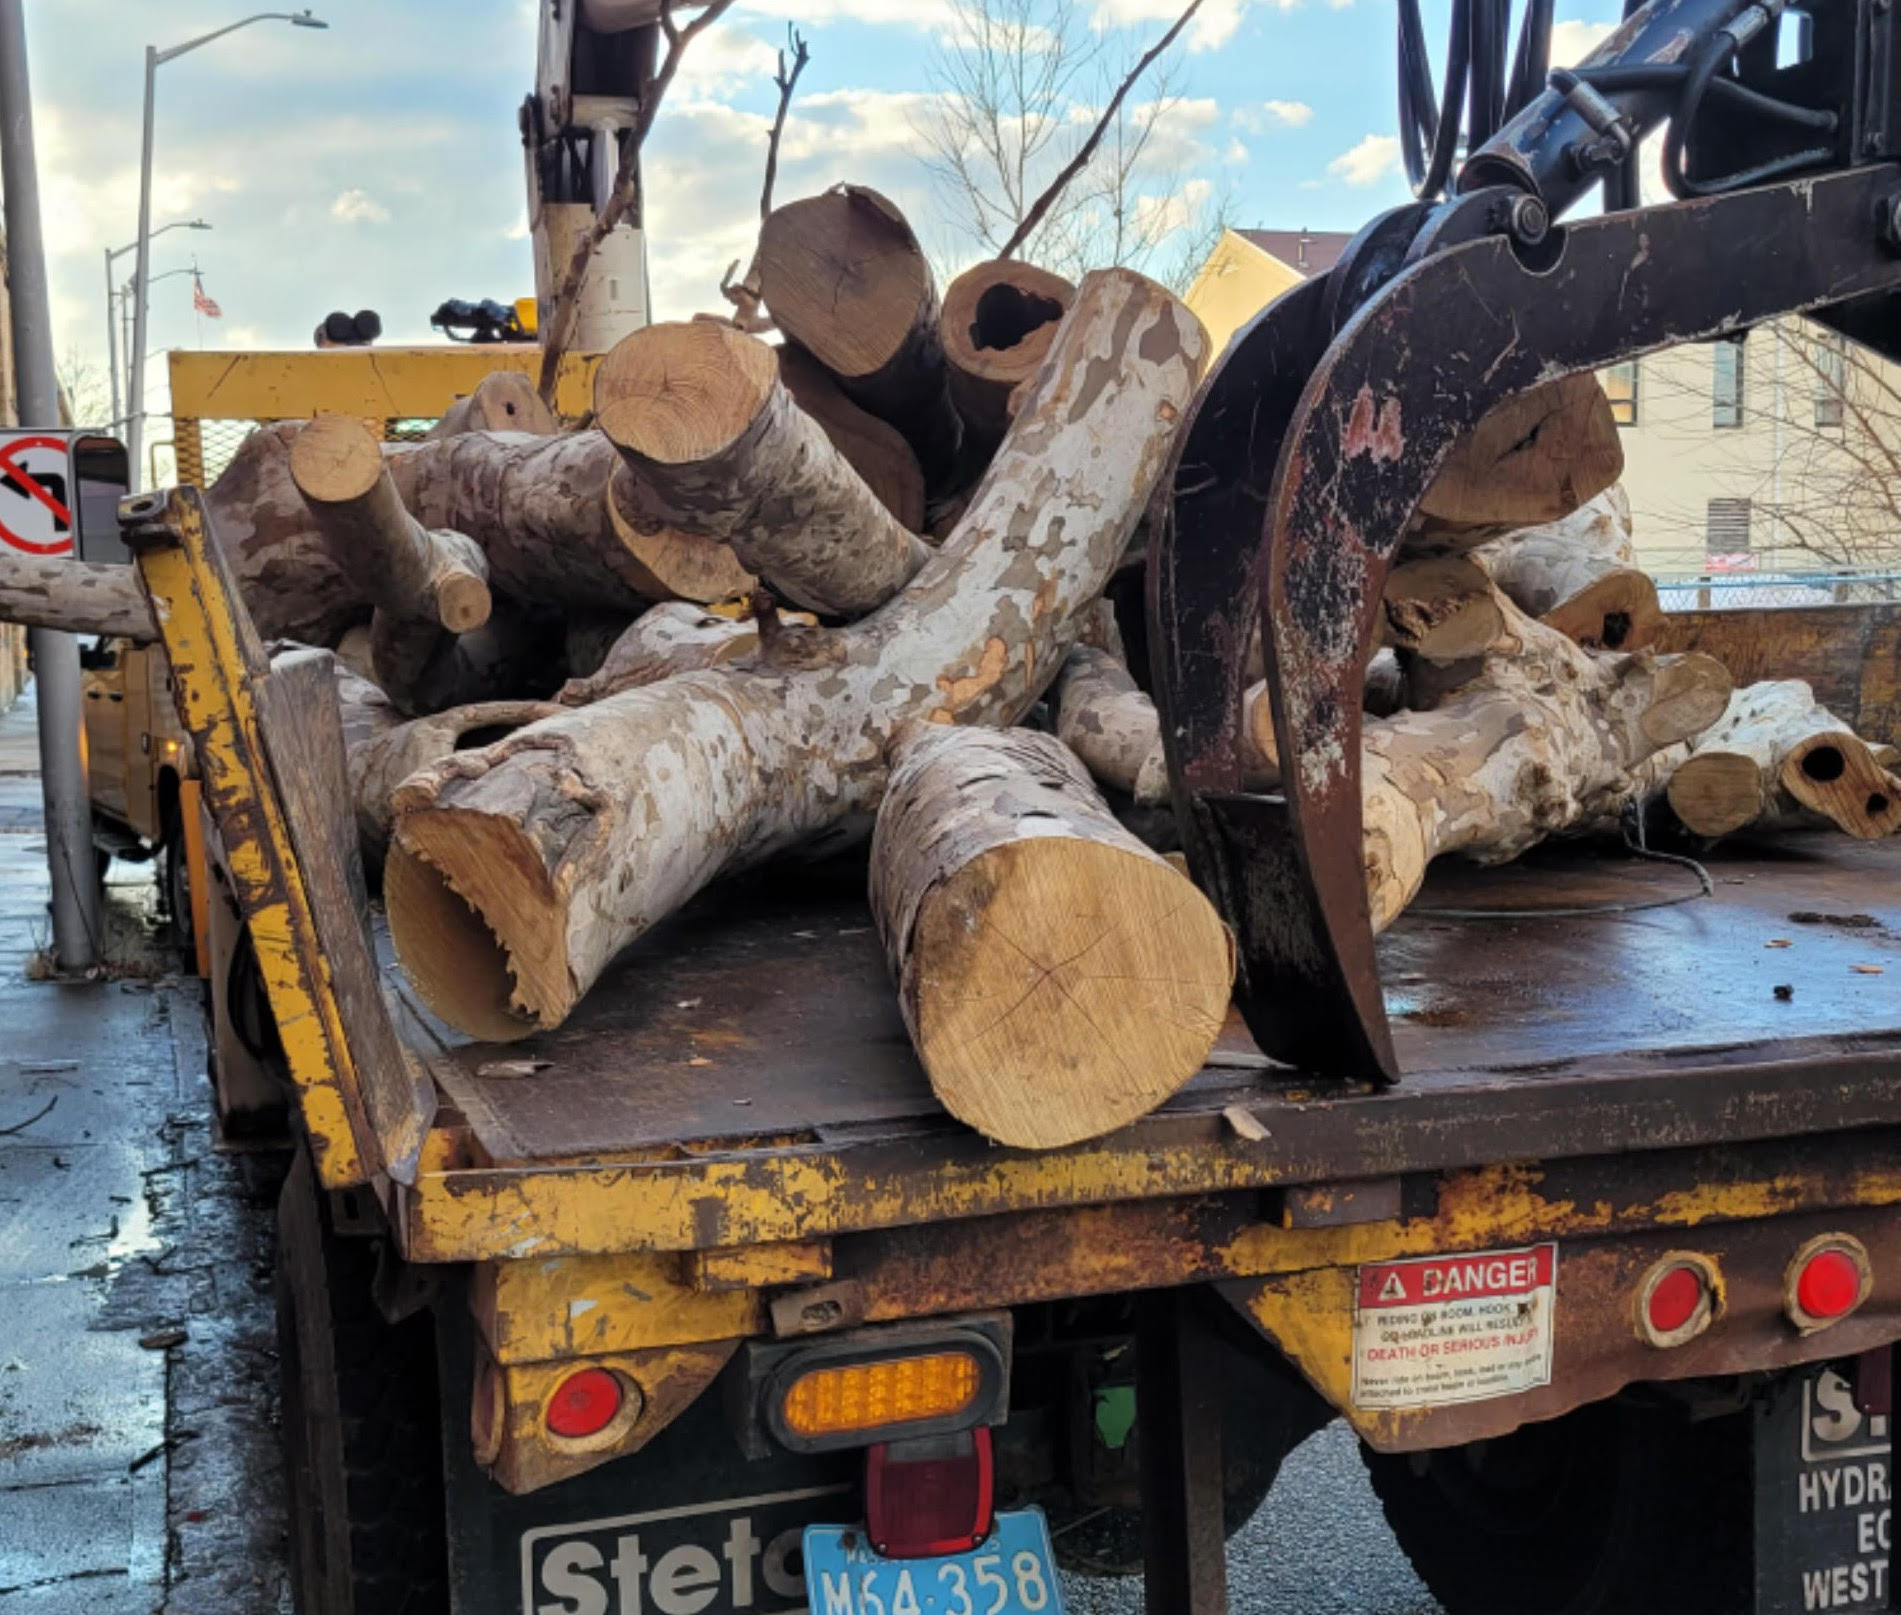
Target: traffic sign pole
(56,679)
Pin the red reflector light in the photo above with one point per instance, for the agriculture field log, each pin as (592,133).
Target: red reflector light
(1674,1299)
(584,1404)
(929,1496)
(1829,1284)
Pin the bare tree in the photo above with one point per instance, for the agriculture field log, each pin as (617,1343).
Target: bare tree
(1034,145)
(84,396)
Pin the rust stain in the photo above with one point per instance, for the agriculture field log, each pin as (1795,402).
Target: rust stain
(1373,429)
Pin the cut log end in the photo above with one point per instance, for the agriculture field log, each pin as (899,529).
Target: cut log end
(1444,609)
(335,459)
(679,393)
(1837,775)
(1716,793)
(463,601)
(1043,1021)
(463,969)
(1690,693)
(997,324)
(1620,611)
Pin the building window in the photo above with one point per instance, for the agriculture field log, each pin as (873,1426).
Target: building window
(1726,385)
(1831,379)
(1726,541)
(1620,386)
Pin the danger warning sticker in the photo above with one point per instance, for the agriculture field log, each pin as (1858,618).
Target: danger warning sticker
(1446,1329)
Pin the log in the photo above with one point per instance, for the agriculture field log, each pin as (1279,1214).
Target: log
(1535,457)
(675,637)
(716,445)
(1579,575)
(1058,978)
(996,327)
(412,574)
(387,754)
(1777,749)
(844,277)
(503,401)
(1773,749)
(875,449)
(1547,737)
(519,871)
(1260,754)
(1385,691)
(1106,720)
(1443,609)
(76,597)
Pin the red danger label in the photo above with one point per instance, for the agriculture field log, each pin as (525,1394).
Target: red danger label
(1447,1278)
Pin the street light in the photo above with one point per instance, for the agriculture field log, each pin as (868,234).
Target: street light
(154,60)
(113,344)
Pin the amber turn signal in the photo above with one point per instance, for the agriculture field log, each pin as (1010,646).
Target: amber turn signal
(883,1394)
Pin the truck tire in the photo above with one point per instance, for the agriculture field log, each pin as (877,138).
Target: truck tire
(362,1444)
(1624,1507)
(175,873)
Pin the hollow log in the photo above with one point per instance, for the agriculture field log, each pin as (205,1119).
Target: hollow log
(1579,575)
(1534,457)
(1547,737)
(1443,609)
(1106,720)
(996,326)
(845,278)
(876,449)
(1776,747)
(518,871)
(716,445)
(1058,978)
(675,637)
(503,401)
(50,591)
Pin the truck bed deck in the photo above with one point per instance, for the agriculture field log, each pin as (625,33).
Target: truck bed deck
(1540,1009)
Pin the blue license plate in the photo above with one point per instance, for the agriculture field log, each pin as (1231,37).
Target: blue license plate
(1012,1573)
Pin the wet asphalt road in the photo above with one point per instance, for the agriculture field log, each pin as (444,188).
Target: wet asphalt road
(139,1468)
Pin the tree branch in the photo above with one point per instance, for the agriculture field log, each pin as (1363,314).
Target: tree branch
(785,80)
(560,325)
(1080,161)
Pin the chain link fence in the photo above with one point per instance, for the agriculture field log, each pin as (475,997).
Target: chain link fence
(1754,591)
(204,447)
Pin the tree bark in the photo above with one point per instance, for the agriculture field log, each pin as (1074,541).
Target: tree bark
(844,278)
(1535,457)
(996,327)
(675,637)
(1058,978)
(716,445)
(519,871)
(503,401)
(876,449)
(1111,725)
(44,591)
(1443,609)
(1547,737)
(1579,575)
(1775,748)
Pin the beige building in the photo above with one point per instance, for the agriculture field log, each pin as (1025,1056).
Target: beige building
(1771,457)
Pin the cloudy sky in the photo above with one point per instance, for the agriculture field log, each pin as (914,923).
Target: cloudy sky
(377,164)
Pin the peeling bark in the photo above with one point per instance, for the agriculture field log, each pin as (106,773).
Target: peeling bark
(1111,725)
(519,871)
(46,591)
(672,638)
(1058,978)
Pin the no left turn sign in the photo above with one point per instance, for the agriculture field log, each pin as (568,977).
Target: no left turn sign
(36,494)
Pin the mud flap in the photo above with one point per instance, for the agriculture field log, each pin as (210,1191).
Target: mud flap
(1823,1477)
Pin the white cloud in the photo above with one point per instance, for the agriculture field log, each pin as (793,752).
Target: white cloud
(1237,151)
(927,14)
(1158,216)
(1572,41)
(358,207)
(1259,119)
(1214,25)
(1367,163)
(722,62)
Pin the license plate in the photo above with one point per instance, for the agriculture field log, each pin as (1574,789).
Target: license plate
(1011,1573)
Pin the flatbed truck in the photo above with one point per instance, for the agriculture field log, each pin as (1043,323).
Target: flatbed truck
(1608,1285)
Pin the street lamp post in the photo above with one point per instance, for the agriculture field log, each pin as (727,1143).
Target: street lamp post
(154,60)
(113,340)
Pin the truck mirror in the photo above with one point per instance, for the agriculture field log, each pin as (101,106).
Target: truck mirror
(101,472)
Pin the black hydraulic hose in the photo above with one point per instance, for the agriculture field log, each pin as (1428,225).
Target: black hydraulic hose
(1709,62)
(1486,80)
(1662,76)
(1429,152)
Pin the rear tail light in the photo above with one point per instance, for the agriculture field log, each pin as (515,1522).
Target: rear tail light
(1828,1278)
(1677,1299)
(585,1403)
(929,1496)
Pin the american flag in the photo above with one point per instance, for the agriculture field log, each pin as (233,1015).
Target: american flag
(201,301)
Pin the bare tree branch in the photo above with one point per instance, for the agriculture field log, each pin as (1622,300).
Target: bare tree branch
(626,192)
(1080,160)
(785,80)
